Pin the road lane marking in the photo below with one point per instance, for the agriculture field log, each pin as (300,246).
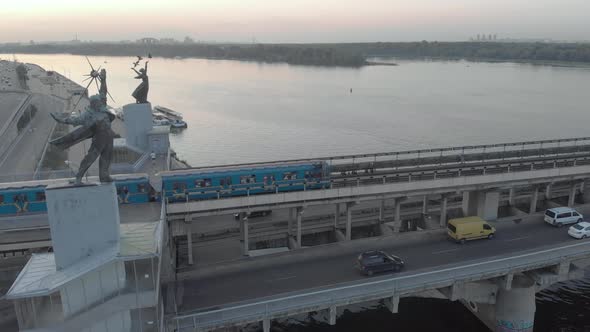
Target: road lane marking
(444,251)
(280,279)
(517,238)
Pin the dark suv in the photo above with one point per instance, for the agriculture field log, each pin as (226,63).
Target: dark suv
(254,214)
(374,261)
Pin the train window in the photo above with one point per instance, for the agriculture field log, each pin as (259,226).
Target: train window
(245,179)
(225,181)
(203,183)
(1,199)
(268,179)
(141,188)
(289,176)
(179,186)
(40,196)
(312,174)
(20,198)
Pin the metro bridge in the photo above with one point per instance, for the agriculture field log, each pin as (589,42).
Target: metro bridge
(503,182)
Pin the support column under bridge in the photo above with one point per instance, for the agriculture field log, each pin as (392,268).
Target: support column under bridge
(514,309)
(481,203)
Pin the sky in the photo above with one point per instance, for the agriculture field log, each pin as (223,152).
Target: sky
(297,21)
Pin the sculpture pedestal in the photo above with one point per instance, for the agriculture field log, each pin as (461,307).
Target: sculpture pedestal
(138,123)
(84,220)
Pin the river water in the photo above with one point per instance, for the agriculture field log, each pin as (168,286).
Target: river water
(245,111)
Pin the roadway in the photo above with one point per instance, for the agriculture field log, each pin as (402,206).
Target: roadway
(322,268)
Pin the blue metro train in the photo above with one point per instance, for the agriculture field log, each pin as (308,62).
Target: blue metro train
(230,181)
(29,197)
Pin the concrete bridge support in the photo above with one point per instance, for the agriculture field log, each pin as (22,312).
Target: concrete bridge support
(443,211)
(572,194)
(511,196)
(425,205)
(349,221)
(245,240)
(337,215)
(548,189)
(382,211)
(397,214)
(300,211)
(514,307)
(481,203)
(534,199)
(189,243)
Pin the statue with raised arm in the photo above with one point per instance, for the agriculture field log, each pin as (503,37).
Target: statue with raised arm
(141,92)
(95,122)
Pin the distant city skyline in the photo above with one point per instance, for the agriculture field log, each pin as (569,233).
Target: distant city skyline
(300,21)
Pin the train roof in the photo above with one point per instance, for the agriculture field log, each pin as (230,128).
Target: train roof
(210,169)
(64,181)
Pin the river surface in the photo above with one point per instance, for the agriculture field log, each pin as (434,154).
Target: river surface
(245,111)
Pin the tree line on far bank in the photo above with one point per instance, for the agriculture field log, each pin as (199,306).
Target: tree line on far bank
(343,54)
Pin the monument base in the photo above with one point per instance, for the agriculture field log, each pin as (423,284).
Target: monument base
(83,220)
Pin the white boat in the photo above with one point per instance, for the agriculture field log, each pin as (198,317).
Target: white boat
(168,112)
(176,123)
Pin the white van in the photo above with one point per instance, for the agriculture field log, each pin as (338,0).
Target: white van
(562,215)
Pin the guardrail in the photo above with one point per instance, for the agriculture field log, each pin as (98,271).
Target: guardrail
(436,152)
(304,301)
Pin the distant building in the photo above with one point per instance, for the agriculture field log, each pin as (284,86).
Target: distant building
(147,41)
(168,41)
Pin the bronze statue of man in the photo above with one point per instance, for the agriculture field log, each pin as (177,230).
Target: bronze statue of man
(95,122)
(141,92)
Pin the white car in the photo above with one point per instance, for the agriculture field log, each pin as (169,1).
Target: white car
(580,230)
(562,216)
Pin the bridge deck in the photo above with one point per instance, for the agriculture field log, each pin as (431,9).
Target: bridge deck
(321,268)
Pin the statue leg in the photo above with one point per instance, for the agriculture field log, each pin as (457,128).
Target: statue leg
(93,153)
(104,163)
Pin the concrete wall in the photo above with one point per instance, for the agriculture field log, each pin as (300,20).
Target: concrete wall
(138,122)
(84,220)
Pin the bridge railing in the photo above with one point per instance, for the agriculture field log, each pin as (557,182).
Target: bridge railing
(304,301)
(541,145)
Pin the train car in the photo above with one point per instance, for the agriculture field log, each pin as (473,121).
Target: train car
(22,197)
(230,181)
(134,188)
(29,196)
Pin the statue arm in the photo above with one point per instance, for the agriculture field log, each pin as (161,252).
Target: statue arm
(71,119)
(145,73)
(136,72)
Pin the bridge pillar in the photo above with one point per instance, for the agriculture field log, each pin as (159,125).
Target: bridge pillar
(534,199)
(337,215)
(481,203)
(382,211)
(245,240)
(443,211)
(290,223)
(392,303)
(266,325)
(511,197)
(189,243)
(349,221)
(299,217)
(548,191)
(514,309)
(333,313)
(572,195)
(425,205)
(397,214)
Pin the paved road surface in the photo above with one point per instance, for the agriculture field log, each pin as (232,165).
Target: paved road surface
(322,272)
